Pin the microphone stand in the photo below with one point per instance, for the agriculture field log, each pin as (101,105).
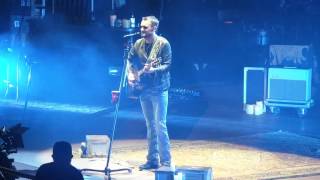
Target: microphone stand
(107,169)
(29,76)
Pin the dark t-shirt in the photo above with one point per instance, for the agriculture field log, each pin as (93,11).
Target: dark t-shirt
(54,171)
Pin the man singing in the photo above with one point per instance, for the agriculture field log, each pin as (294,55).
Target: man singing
(149,61)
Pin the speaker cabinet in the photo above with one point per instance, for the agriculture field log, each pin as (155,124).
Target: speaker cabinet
(194,173)
(185,173)
(289,87)
(165,175)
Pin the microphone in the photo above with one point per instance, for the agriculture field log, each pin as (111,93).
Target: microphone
(131,34)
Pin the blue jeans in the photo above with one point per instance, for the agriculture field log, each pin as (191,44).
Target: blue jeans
(154,107)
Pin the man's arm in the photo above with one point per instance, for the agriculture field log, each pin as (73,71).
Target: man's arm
(130,68)
(131,54)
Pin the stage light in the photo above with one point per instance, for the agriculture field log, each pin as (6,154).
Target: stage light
(114,71)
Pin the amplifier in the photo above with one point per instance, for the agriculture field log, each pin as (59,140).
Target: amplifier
(289,85)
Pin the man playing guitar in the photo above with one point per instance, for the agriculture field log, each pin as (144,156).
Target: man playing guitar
(149,61)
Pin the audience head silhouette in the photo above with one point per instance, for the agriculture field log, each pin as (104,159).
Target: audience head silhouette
(62,152)
(60,168)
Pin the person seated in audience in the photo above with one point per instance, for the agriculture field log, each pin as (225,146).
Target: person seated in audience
(60,168)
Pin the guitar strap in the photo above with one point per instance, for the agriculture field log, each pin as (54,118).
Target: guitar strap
(154,53)
(155,50)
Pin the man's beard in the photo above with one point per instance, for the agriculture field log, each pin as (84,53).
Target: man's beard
(145,35)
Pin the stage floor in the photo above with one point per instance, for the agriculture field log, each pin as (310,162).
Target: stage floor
(233,144)
(274,155)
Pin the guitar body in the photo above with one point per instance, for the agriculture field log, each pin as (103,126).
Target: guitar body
(141,80)
(134,90)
